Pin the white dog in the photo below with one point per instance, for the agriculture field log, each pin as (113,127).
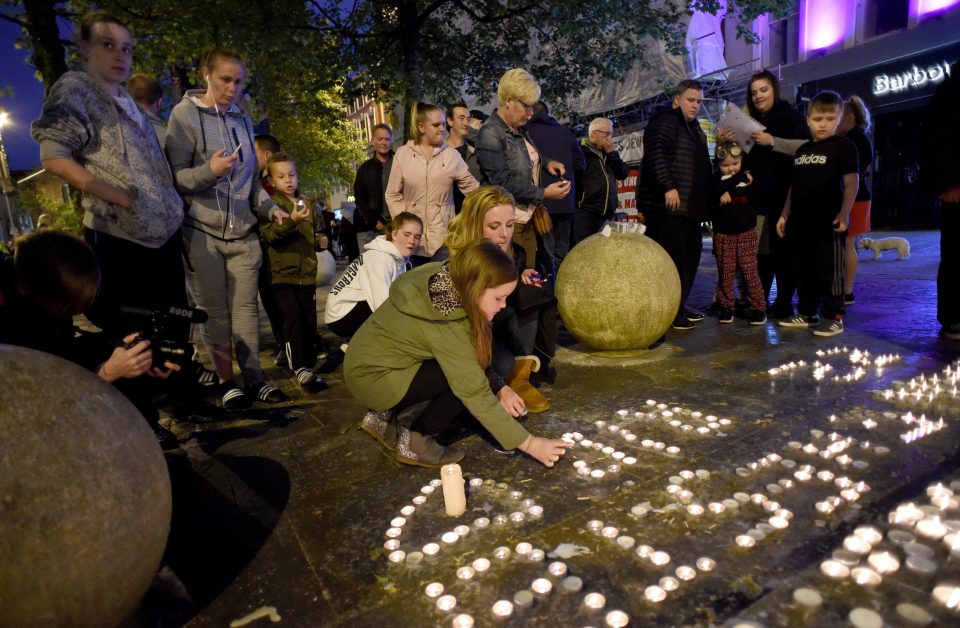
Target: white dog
(884,244)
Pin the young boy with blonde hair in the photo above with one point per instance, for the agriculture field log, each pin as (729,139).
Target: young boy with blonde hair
(291,247)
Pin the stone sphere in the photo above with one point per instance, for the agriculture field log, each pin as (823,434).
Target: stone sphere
(326,268)
(84,496)
(618,292)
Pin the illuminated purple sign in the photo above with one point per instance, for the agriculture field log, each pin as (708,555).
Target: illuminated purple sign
(826,23)
(923,8)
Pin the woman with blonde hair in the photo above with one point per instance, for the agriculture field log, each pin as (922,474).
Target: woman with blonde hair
(855,126)
(430,342)
(525,332)
(508,158)
(422,176)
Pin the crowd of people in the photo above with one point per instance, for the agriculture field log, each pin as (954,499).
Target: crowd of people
(446,309)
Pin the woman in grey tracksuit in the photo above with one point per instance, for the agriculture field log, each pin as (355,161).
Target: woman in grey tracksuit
(211,151)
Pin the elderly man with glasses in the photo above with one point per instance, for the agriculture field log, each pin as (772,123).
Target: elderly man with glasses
(596,185)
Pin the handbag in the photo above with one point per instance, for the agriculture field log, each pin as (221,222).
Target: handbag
(541,220)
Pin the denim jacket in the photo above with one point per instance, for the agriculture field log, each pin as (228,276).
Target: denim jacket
(504,161)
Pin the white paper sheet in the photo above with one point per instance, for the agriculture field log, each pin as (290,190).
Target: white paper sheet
(742,126)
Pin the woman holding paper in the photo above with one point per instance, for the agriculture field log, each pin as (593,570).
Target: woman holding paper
(770,165)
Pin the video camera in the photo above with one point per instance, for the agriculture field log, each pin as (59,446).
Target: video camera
(168,332)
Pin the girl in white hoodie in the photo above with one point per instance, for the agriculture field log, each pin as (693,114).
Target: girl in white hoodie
(365,283)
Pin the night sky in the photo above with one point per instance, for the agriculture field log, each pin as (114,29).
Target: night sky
(23,106)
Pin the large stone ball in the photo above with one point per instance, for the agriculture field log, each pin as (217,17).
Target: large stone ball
(618,292)
(84,496)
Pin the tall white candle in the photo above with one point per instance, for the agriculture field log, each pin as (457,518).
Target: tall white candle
(454,497)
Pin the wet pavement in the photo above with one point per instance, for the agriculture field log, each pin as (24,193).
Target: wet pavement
(289,507)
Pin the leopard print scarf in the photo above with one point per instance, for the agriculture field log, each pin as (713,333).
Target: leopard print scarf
(443,294)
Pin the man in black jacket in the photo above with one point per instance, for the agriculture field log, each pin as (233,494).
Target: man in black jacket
(674,190)
(596,184)
(371,214)
(558,141)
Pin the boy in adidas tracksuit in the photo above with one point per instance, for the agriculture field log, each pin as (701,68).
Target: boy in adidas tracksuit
(816,215)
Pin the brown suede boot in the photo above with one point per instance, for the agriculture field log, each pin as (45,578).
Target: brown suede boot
(381,425)
(519,381)
(414,448)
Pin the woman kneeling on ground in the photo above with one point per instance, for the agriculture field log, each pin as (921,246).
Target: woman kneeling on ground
(365,283)
(525,331)
(430,342)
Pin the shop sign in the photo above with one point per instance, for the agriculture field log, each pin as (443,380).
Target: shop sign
(916,78)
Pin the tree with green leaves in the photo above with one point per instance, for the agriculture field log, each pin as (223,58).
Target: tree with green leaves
(439,49)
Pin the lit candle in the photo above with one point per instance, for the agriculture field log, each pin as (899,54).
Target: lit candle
(653,593)
(659,558)
(869,534)
(502,609)
(450,538)
(884,562)
(481,523)
(523,547)
(463,621)
(686,572)
(834,569)
(541,586)
(594,601)
(466,573)
(706,564)
(481,565)
(856,545)
(807,598)
(391,545)
(571,584)
(535,511)
(931,528)
(626,542)
(948,595)
(745,541)
(434,589)
(517,517)
(695,510)
(446,603)
(397,556)
(431,549)
(865,618)
(557,569)
(644,551)
(535,555)
(617,619)
(669,583)
(502,553)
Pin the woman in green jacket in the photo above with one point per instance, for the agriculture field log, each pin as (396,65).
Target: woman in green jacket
(430,341)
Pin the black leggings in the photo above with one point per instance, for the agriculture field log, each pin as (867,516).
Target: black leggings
(348,325)
(445,408)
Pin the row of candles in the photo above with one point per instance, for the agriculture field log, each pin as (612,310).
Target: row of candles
(927,389)
(861,361)
(527,509)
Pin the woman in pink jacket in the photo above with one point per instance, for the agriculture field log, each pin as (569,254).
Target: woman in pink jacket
(422,177)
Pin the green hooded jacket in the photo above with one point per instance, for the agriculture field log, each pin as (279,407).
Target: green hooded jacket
(409,329)
(291,246)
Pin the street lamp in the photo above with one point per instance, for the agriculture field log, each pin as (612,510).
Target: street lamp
(6,184)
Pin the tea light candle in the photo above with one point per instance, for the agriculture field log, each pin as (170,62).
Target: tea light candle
(450,538)
(446,603)
(948,595)
(864,576)
(617,619)
(393,533)
(731,504)
(706,564)
(914,614)
(807,598)
(397,556)
(778,522)
(869,534)
(669,583)
(597,473)
(500,520)
(517,517)
(825,475)
(476,482)
(481,565)
(523,599)
(579,464)
(659,558)
(535,511)
(431,549)
(463,621)
(695,510)
(594,525)
(745,541)
(541,586)
(523,547)
(630,460)
(535,555)
(466,573)
(673,450)
(462,530)
(743,498)
(481,523)
(427,490)
(644,551)
(655,594)
(931,528)
(865,618)
(557,569)
(571,584)
(391,545)
(834,569)
(856,545)
(434,589)
(406,511)
(919,549)
(594,601)
(502,553)
(920,564)
(685,572)
(502,609)
(626,542)
(884,562)
(900,537)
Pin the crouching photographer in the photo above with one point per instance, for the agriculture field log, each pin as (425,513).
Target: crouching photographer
(53,276)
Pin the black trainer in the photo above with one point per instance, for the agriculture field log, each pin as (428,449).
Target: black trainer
(692,315)
(848,299)
(756,317)
(726,316)
(682,323)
